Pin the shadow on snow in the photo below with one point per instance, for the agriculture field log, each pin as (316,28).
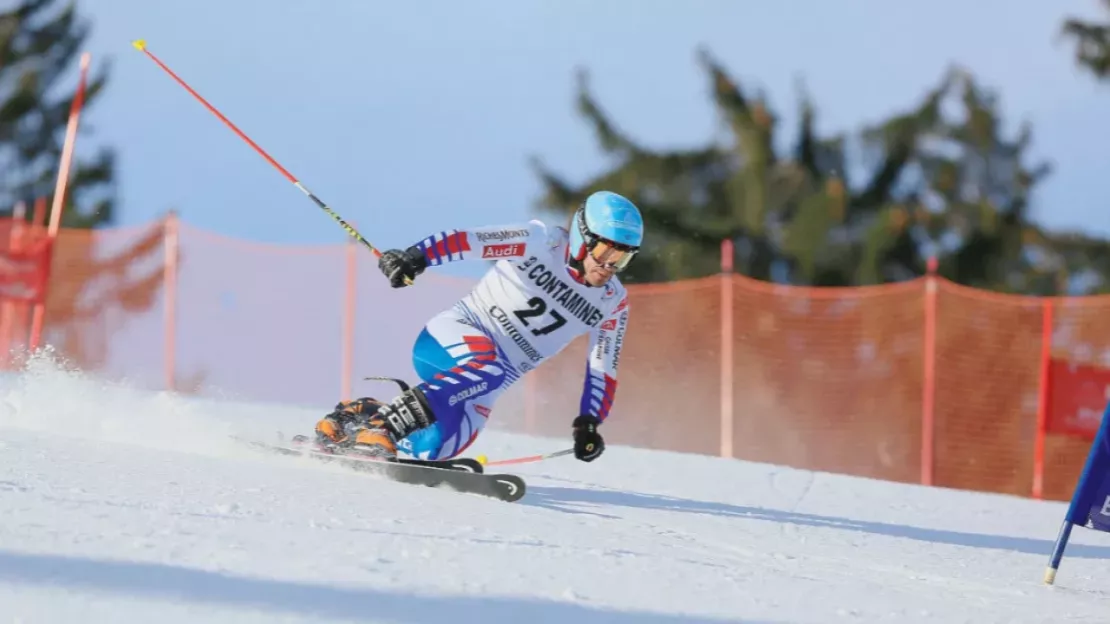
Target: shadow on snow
(155,580)
(593,502)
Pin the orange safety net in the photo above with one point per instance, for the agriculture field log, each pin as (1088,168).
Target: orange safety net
(1080,336)
(988,365)
(24,251)
(23,278)
(259,322)
(24,254)
(668,382)
(101,304)
(830,379)
(821,378)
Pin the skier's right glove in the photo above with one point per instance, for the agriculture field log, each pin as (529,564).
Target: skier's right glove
(588,443)
(398,265)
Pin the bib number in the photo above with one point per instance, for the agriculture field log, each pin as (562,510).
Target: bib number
(536,307)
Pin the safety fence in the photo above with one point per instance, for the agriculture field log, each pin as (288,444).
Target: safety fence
(923,381)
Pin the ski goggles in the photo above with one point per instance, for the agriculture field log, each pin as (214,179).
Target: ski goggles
(611,255)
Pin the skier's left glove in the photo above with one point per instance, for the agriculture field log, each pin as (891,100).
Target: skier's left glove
(588,443)
(398,265)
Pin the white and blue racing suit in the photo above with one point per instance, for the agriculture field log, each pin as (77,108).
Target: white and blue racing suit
(525,309)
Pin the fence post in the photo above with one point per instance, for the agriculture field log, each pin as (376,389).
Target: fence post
(929,378)
(7,310)
(1043,398)
(169,304)
(726,349)
(346,367)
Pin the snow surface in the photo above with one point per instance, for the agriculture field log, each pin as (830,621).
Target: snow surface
(121,505)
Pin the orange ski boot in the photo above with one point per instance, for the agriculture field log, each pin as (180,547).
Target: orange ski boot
(333,429)
(375,439)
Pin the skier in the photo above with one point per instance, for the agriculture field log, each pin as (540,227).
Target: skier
(547,287)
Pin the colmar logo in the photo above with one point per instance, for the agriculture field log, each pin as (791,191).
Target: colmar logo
(503,251)
(609,325)
(469,392)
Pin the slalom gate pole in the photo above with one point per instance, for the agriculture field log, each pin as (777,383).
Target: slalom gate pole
(140,45)
(529,459)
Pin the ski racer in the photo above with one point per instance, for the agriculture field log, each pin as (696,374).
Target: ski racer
(547,286)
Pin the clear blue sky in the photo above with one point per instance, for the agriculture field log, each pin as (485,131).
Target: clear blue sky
(410,117)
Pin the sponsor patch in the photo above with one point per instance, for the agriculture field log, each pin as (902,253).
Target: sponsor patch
(501,235)
(465,394)
(506,250)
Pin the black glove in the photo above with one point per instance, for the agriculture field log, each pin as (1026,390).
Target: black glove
(397,265)
(588,444)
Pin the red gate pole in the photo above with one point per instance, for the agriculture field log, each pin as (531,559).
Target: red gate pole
(169,302)
(727,405)
(1043,399)
(60,193)
(929,375)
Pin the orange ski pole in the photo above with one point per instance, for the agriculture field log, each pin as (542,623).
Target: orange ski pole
(140,45)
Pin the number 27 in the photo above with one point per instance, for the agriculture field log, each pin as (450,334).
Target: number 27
(536,307)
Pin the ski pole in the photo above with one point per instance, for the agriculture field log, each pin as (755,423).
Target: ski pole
(140,45)
(523,460)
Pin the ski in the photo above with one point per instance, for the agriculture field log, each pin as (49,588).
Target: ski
(457,474)
(505,487)
(466,464)
(302,445)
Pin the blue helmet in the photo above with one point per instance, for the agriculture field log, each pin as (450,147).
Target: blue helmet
(609,227)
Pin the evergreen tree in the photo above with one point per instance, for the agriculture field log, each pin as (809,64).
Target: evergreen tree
(1092,43)
(39,47)
(1084,258)
(942,177)
(40,42)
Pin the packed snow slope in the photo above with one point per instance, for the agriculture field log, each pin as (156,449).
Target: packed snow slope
(122,506)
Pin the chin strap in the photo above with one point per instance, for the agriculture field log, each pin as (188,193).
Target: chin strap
(575,268)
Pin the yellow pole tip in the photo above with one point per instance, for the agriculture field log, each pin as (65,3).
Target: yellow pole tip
(140,44)
(1049,576)
(482,459)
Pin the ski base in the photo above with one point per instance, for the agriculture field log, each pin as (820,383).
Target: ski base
(464,475)
(505,487)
